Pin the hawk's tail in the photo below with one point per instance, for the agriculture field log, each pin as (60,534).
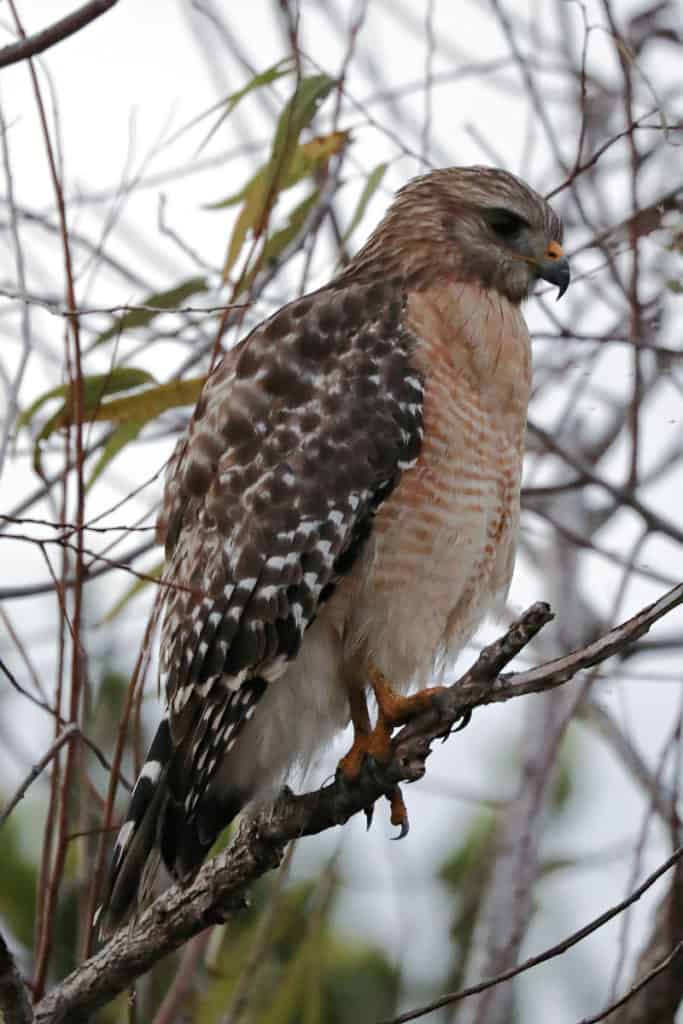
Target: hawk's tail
(157,823)
(138,834)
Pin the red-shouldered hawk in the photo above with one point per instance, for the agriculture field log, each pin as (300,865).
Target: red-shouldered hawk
(342,510)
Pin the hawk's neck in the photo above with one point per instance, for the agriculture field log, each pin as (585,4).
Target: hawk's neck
(483,339)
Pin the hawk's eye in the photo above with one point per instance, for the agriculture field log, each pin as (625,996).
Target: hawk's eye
(505,223)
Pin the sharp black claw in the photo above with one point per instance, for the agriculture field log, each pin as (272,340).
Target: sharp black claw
(399,814)
(369,814)
(405,829)
(462,722)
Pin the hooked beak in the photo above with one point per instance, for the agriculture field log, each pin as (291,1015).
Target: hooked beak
(555,268)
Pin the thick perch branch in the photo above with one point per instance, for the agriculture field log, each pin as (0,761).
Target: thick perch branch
(221,886)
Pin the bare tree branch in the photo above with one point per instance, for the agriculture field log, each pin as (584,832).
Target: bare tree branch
(30,46)
(220,888)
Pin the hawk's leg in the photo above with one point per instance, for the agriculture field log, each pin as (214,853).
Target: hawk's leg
(351,764)
(349,767)
(392,711)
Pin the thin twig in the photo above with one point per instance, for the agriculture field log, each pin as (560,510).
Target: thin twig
(12,397)
(57,309)
(70,731)
(73,361)
(548,954)
(663,965)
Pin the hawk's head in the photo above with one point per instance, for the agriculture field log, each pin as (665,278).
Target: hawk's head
(475,223)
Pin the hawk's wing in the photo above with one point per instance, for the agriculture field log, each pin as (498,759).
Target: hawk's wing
(300,434)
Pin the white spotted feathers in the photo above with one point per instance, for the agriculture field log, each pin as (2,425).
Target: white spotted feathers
(298,437)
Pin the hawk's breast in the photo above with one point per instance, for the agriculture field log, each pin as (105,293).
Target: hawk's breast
(443,545)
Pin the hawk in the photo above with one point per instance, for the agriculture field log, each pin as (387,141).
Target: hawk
(342,510)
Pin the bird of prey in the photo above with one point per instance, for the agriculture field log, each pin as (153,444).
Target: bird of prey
(341,511)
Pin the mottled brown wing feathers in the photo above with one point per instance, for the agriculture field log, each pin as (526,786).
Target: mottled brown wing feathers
(299,435)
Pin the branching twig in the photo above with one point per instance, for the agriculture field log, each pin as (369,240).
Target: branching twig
(548,954)
(656,971)
(70,731)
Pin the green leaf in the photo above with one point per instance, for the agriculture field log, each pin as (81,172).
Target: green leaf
(119,438)
(250,215)
(297,115)
(271,74)
(371,185)
(279,240)
(120,378)
(287,164)
(147,405)
(162,301)
(258,196)
(307,157)
(93,389)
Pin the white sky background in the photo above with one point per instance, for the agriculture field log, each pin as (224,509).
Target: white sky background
(124,86)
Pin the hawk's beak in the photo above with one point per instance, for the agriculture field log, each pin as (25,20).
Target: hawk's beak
(555,268)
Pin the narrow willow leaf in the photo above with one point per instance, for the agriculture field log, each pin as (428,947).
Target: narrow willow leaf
(258,197)
(297,115)
(307,157)
(264,189)
(120,437)
(250,215)
(271,74)
(279,240)
(371,185)
(147,405)
(94,387)
(166,300)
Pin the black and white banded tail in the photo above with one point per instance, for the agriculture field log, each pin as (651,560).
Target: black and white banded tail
(174,813)
(138,834)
